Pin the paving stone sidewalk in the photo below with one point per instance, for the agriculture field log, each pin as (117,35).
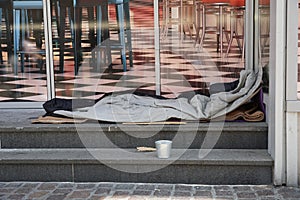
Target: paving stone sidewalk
(141,191)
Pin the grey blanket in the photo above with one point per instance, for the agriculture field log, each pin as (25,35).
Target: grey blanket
(133,108)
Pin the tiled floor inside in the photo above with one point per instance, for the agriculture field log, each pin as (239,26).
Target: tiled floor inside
(184,67)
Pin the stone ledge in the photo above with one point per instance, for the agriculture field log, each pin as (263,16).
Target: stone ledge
(111,127)
(19,120)
(221,157)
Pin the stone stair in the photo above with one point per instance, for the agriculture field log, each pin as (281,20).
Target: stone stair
(203,153)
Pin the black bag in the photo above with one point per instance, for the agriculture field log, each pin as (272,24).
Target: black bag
(66,104)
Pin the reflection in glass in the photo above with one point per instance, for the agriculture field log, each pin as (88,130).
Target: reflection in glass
(22,70)
(185,67)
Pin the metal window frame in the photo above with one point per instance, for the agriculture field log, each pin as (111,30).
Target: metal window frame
(249,37)
(157,48)
(49,49)
(278,58)
(277,118)
(292,102)
(283,124)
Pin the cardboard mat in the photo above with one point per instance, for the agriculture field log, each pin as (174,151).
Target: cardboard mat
(57,120)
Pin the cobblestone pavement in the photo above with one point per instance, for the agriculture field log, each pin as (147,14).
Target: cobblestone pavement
(138,191)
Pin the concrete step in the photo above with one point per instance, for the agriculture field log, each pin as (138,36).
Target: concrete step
(216,166)
(193,135)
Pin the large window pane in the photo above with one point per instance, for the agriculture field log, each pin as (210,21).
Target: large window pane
(186,66)
(24,79)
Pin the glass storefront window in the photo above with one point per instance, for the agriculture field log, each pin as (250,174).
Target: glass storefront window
(201,43)
(102,69)
(186,65)
(22,71)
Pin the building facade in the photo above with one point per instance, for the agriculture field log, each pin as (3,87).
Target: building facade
(270,37)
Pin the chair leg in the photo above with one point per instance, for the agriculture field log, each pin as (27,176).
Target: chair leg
(22,57)
(224,28)
(232,31)
(221,29)
(79,20)
(203,27)
(108,59)
(197,36)
(57,15)
(118,26)
(24,23)
(77,39)
(8,34)
(237,38)
(96,60)
(91,24)
(244,37)
(62,22)
(167,19)
(16,17)
(163,17)
(181,19)
(198,23)
(37,30)
(71,20)
(101,21)
(128,32)
(1,57)
(187,22)
(122,34)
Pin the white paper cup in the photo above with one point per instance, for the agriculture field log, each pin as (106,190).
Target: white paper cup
(163,148)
